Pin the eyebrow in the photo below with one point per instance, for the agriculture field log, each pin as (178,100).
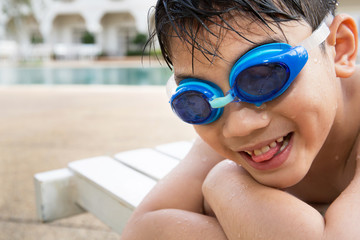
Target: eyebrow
(179,77)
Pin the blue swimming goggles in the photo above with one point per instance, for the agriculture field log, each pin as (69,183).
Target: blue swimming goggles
(259,76)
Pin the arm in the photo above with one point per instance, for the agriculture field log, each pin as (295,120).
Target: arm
(248,210)
(343,215)
(174,208)
(251,210)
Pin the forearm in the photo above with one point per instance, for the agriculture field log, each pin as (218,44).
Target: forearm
(343,215)
(173,209)
(246,209)
(174,224)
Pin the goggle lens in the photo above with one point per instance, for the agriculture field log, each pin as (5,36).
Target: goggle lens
(192,107)
(260,81)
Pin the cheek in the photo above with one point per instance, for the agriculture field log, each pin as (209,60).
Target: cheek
(208,133)
(314,104)
(211,134)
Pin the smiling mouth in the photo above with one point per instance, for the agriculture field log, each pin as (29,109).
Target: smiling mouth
(268,152)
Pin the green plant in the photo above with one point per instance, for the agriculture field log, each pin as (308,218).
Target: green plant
(88,38)
(140,39)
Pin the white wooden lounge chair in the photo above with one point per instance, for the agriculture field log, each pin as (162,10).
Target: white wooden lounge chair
(108,187)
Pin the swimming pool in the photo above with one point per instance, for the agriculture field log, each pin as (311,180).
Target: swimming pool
(86,75)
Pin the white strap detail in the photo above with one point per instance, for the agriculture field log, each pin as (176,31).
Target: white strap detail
(171,86)
(319,35)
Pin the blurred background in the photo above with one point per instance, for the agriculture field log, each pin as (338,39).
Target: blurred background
(73,85)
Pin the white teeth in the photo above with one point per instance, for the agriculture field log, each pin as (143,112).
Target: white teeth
(258,152)
(267,148)
(273,144)
(286,142)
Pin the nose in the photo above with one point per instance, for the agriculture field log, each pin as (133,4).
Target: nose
(243,121)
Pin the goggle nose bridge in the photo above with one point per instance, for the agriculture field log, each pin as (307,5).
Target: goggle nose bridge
(221,102)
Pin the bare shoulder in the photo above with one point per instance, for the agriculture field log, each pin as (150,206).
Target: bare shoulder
(181,188)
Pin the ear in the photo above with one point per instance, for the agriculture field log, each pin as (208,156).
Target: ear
(344,37)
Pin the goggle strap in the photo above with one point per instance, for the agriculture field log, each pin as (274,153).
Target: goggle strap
(319,35)
(171,86)
(221,101)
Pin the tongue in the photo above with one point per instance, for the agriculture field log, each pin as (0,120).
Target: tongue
(268,155)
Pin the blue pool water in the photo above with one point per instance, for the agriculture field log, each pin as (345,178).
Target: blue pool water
(96,75)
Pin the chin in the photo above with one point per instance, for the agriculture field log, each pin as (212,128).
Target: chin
(280,180)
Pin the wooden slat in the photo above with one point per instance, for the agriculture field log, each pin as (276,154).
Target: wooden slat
(106,187)
(55,195)
(177,150)
(110,210)
(109,190)
(148,161)
(128,186)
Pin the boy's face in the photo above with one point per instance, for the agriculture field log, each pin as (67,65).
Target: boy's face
(302,116)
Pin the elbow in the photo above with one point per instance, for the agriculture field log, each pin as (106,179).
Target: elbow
(141,225)
(135,227)
(130,230)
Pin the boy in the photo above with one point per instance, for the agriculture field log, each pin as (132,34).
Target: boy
(269,86)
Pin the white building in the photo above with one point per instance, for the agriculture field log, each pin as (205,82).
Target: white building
(59,27)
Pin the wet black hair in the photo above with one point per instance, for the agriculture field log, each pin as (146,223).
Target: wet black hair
(191,20)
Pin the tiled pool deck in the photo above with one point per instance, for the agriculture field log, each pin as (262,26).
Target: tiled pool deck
(44,128)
